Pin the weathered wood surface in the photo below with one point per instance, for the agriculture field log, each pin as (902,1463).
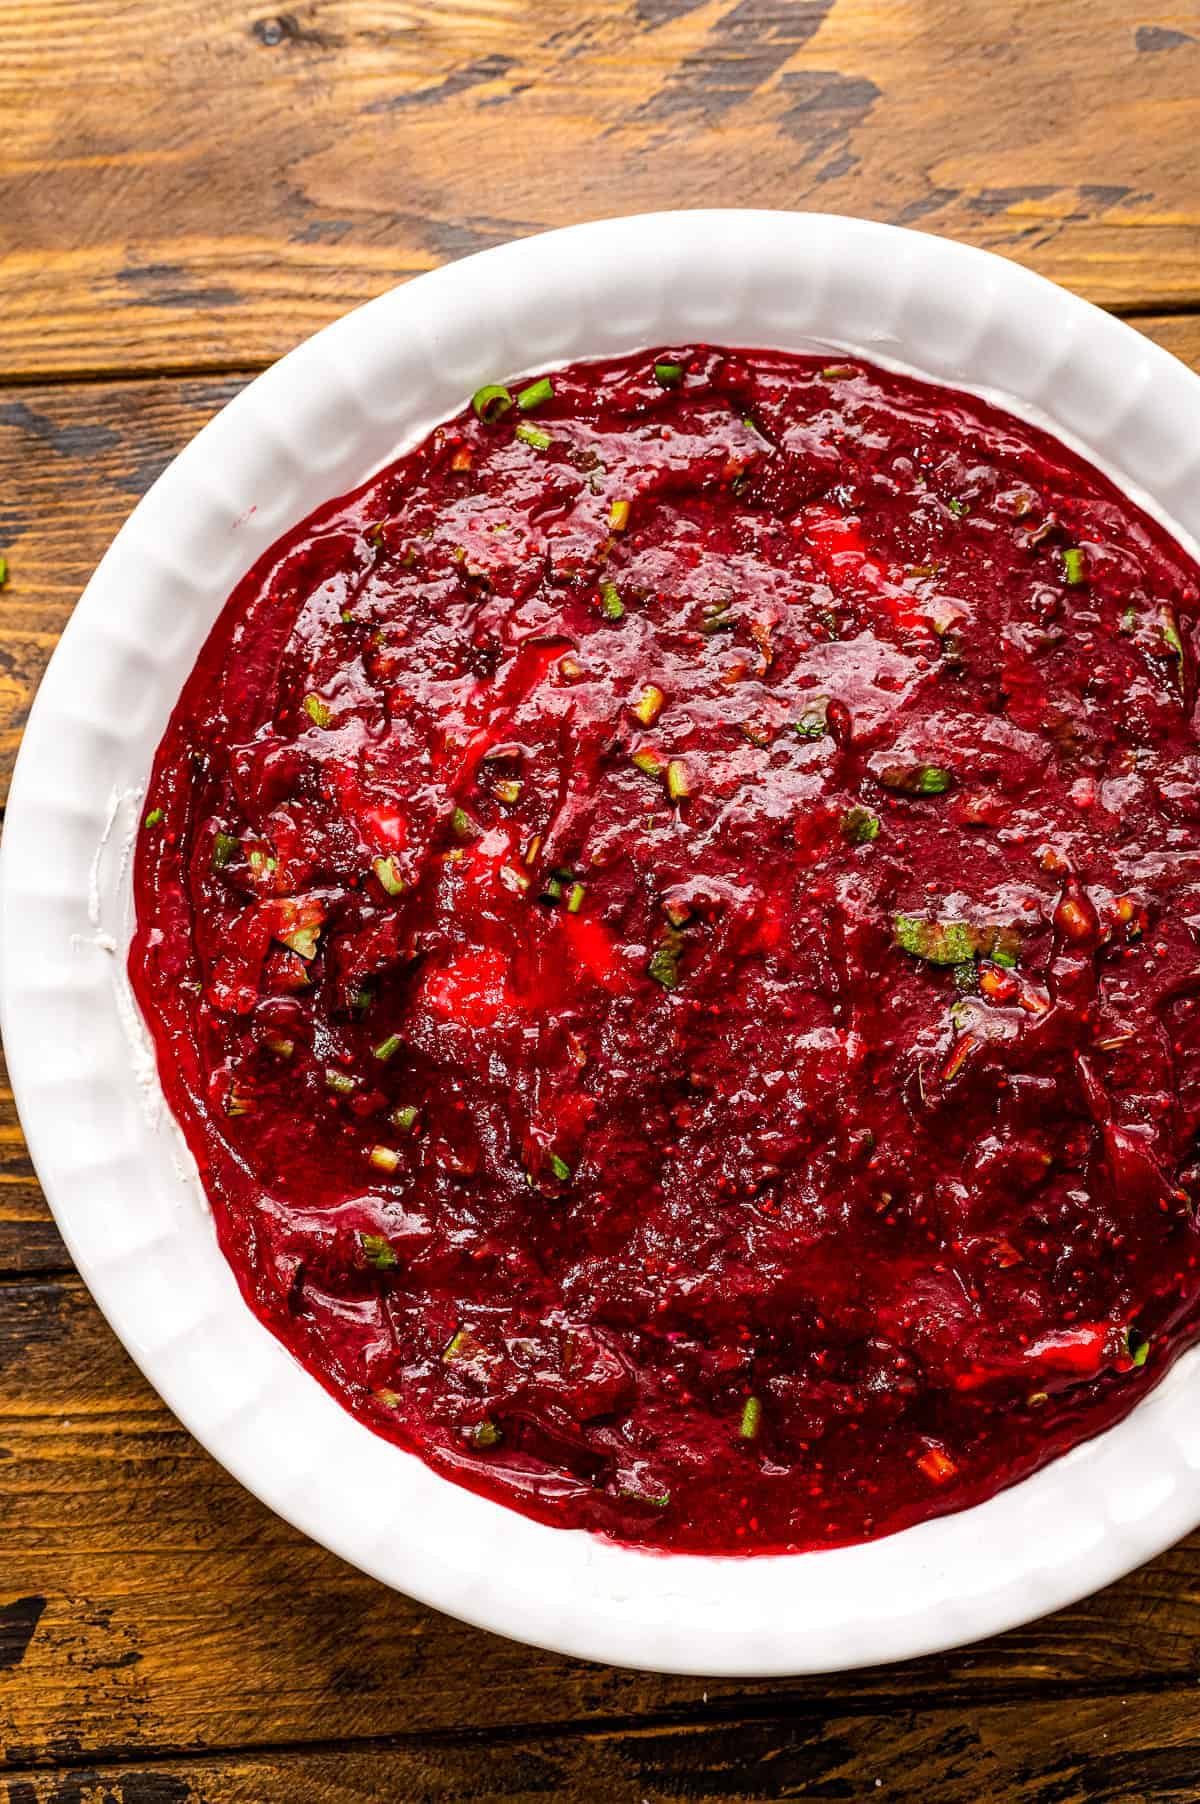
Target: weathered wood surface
(187,186)
(186,190)
(1142,1748)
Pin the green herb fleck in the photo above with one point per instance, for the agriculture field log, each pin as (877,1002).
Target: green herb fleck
(317,710)
(954,942)
(152,819)
(463,826)
(648,704)
(560,1168)
(812,723)
(508,789)
(575,897)
(378,1251)
(669,375)
(679,786)
(389,876)
(224,847)
(611,605)
(958,508)
(618,515)
(405,1118)
(387,1049)
(860,826)
(340,1082)
(485,1434)
(916,779)
(384,1158)
(751,1419)
(1073,566)
(1168,626)
(1137,1346)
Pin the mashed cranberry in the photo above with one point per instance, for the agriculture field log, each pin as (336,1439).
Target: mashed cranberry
(671,923)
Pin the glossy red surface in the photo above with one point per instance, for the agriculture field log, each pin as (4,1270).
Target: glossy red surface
(670,922)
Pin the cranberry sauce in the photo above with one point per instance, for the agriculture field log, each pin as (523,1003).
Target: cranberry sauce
(671,923)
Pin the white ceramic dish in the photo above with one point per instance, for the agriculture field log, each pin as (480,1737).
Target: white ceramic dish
(135,1221)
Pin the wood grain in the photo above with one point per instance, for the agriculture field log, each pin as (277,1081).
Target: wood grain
(1137,1749)
(200,186)
(148,1605)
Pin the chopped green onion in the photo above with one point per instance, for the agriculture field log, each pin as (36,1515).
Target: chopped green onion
(575,897)
(670,375)
(490,402)
(384,1158)
(361,999)
(3,571)
(405,1118)
(341,1082)
(648,704)
(618,516)
(317,710)
(678,784)
(224,847)
(463,825)
(958,508)
(263,864)
(485,1434)
(678,913)
(1137,1346)
(238,1102)
(553,890)
(378,1251)
(812,723)
(1073,572)
(280,1045)
(1168,626)
(152,819)
(389,876)
(387,1049)
(860,826)
(751,1419)
(916,779)
(955,942)
(664,964)
(836,372)
(302,940)
(535,394)
(1128,621)
(611,605)
(533,435)
(560,1168)
(508,789)
(463,1345)
(648,760)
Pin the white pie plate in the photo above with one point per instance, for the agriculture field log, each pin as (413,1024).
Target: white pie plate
(110,1159)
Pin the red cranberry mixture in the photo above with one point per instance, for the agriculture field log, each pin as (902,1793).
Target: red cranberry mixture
(671,924)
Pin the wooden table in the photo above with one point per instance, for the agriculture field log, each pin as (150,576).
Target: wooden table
(187,187)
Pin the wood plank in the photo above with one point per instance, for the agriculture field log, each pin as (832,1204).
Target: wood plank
(1142,1748)
(200,186)
(149,1604)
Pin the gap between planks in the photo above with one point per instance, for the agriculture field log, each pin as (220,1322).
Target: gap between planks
(782,1707)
